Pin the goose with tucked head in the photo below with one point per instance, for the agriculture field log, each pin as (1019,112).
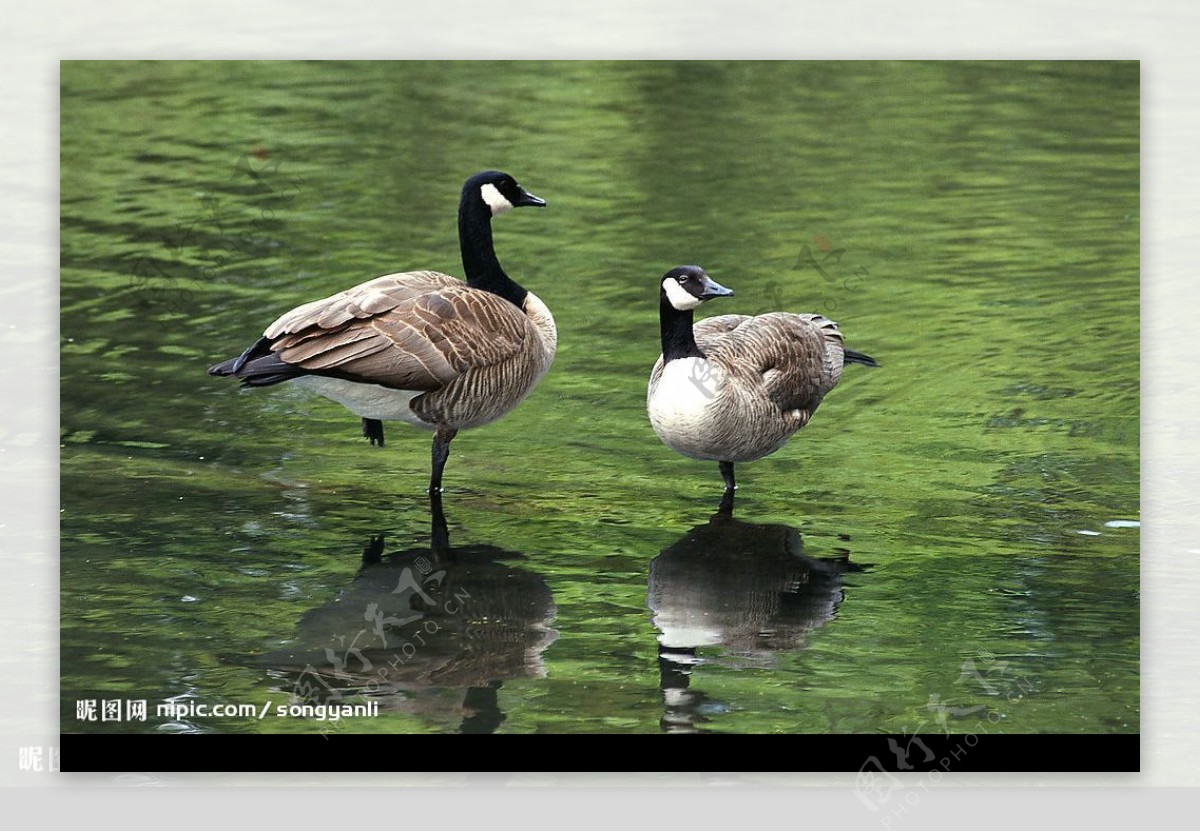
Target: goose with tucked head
(734,388)
(419,347)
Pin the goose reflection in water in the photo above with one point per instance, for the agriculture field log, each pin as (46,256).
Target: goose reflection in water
(429,631)
(744,587)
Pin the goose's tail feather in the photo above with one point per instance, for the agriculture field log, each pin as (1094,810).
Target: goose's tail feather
(257,366)
(852,357)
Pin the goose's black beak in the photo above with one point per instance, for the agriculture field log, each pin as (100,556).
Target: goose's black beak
(527,198)
(712,289)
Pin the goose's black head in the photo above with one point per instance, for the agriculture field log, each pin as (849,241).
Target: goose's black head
(686,287)
(498,192)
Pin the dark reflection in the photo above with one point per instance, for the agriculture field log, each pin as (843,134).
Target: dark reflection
(746,588)
(431,631)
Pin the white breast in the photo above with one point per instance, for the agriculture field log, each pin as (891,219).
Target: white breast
(543,322)
(370,401)
(680,405)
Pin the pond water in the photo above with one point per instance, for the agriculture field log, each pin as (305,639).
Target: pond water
(952,543)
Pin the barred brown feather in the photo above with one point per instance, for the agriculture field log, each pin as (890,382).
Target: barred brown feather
(769,374)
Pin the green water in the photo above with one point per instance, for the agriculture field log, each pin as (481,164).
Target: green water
(933,551)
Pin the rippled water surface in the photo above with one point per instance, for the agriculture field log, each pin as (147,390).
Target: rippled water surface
(952,543)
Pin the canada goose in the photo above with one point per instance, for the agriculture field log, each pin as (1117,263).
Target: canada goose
(419,347)
(734,388)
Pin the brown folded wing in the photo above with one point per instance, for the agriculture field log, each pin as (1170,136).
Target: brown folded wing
(411,331)
(797,357)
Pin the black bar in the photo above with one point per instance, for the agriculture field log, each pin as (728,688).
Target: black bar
(864,753)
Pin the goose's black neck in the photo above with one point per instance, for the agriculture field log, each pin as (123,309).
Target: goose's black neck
(677,338)
(478,253)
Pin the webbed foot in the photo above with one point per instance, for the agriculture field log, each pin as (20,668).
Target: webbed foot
(373,430)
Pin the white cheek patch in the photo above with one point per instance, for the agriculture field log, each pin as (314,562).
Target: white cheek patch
(494,199)
(680,298)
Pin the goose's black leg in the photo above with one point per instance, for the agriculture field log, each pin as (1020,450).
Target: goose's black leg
(726,506)
(441,452)
(373,430)
(727,473)
(439,532)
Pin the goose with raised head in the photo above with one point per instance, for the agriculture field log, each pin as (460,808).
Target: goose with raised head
(419,347)
(734,388)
